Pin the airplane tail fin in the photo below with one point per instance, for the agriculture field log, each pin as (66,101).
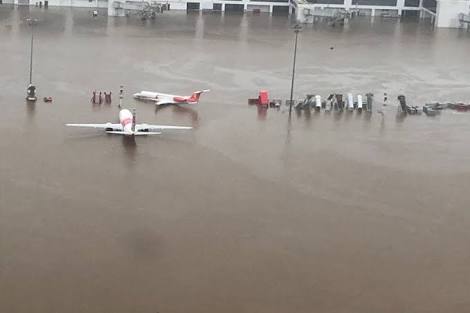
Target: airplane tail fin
(195,96)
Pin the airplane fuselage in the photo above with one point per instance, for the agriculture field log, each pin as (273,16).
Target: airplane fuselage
(126,119)
(163,97)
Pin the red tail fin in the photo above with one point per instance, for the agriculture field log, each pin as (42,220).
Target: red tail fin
(195,96)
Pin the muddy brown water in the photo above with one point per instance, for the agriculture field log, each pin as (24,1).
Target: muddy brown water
(249,212)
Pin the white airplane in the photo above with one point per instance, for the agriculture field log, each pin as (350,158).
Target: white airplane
(163,98)
(127,126)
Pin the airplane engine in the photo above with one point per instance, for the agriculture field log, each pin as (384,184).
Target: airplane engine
(143,128)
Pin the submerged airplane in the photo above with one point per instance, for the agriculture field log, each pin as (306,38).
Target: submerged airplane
(163,98)
(127,126)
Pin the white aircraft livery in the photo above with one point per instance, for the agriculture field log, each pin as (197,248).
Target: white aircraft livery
(163,98)
(127,126)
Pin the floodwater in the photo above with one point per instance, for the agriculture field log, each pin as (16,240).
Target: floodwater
(250,211)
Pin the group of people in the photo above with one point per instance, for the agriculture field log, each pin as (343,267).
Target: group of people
(97,98)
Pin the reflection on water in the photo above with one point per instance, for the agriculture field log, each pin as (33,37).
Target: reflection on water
(30,109)
(187,111)
(86,136)
(161,107)
(307,114)
(400,116)
(348,114)
(338,115)
(262,112)
(181,110)
(366,118)
(287,141)
(382,123)
(130,149)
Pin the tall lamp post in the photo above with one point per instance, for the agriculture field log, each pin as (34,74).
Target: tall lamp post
(297,29)
(31,90)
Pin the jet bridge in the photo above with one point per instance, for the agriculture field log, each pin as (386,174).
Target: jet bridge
(464,20)
(332,16)
(143,9)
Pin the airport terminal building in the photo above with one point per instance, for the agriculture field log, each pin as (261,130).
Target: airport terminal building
(445,13)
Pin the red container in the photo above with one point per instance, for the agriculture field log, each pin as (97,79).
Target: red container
(263,98)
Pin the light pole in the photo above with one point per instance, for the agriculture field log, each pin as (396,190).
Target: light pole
(31,90)
(121,95)
(297,29)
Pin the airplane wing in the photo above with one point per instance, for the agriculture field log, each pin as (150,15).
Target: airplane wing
(134,134)
(147,133)
(116,132)
(149,127)
(98,126)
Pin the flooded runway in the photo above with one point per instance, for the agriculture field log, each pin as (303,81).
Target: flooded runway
(249,212)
